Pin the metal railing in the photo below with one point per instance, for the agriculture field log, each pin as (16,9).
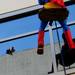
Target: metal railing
(30,33)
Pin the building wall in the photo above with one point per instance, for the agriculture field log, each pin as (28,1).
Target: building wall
(26,63)
(12,5)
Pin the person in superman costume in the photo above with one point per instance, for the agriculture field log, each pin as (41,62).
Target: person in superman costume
(47,4)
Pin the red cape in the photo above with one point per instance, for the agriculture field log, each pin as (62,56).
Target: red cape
(60,2)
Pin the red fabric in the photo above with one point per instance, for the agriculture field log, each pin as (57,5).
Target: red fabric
(41,38)
(68,37)
(59,2)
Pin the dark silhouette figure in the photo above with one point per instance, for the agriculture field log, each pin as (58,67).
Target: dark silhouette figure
(10,51)
(67,54)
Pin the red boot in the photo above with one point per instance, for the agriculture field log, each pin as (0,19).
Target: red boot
(40,42)
(68,37)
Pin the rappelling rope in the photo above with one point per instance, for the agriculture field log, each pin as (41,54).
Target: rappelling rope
(60,49)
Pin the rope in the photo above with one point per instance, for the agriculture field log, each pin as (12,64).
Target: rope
(60,48)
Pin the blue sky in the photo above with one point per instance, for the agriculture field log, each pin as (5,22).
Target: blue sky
(25,25)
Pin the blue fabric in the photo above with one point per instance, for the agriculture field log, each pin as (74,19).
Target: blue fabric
(41,2)
(63,24)
(43,25)
(46,1)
